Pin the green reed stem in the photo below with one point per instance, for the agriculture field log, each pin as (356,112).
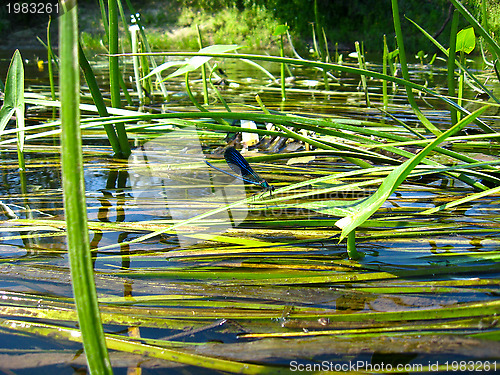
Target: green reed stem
(50,57)
(351,246)
(191,96)
(74,198)
(148,49)
(484,16)
(113,60)
(203,70)
(217,92)
(451,64)
(385,63)
(114,74)
(327,59)
(124,21)
(104,18)
(98,99)
(362,65)
(198,105)
(282,54)
(404,69)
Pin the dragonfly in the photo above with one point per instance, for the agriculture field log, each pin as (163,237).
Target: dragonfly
(243,171)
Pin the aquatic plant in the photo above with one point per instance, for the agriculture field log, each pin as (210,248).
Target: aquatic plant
(283,272)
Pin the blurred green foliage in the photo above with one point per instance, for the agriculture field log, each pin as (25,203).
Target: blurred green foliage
(251,22)
(348,21)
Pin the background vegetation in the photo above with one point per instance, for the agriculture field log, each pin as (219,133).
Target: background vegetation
(348,21)
(171,24)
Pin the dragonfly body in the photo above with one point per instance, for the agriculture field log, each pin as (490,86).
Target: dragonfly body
(242,169)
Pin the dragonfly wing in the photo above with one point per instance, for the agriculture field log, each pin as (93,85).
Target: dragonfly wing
(240,166)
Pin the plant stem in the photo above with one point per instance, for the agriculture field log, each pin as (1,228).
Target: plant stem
(203,70)
(98,100)
(451,64)
(114,74)
(406,74)
(282,54)
(362,65)
(114,86)
(385,61)
(50,56)
(353,253)
(74,198)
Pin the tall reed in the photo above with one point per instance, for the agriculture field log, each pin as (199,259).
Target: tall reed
(114,73)
(74,197)
(451,64)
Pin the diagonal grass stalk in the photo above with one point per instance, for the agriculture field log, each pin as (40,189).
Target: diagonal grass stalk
(362,65)
(144,40)
(367,207)
(127,345)
(98,100)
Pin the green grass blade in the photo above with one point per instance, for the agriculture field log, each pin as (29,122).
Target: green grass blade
(451,64)
(406,75)
(367,207)
(114,74)
(124,344)
(147,47)
(98,99)
(198,61)
(74,199)
(50,61)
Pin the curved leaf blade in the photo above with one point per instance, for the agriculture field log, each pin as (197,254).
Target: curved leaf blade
(368,207)
(197,61)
